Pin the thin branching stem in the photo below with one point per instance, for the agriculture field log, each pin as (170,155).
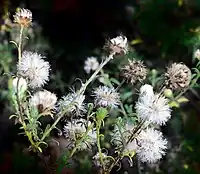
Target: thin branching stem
(20,44)
(81,91)
(98,127)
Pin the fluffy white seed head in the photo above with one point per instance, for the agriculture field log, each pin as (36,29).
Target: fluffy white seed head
(146,90)
(106,97)
(149,145)
(91,64)
(153,109)
(76,129)
(77,104)
(43,100)
(34,68)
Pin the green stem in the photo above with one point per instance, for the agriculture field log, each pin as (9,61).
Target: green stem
(98,127)
(50,129)
(20,44)
(80,141)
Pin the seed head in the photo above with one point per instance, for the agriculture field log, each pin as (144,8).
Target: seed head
(117,45)
(33,68)
(76,129)
(77,104)
(134,71)
(43,100)
(23,17)
(178,76)
(106,97)
(149,145)
(91,64)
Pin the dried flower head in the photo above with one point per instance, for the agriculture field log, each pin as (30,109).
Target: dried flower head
(134,71)
(149,145)
(97,161)
(23,17)
(76,129)
(197,54)
(43,100)
(178,76)
(72,104)
(118,45)
(153,108)
(91,64)
(106,97)
(19,84)
(33,68)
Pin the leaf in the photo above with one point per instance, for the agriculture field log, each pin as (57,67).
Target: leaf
(40,150)
(180,3)
(115,81)
(174,104)
(13,116)
(136,41)
(182,100)
(126,96)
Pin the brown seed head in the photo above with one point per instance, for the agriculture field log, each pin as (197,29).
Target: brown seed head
(178,76)
(134,71)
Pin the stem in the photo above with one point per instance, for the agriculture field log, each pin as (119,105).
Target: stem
(123,110)
(52,127)
(81,91)
(129,140)
(20,44)
(80,141)
(120,85)
(18,102)
(98,126)
(83,88)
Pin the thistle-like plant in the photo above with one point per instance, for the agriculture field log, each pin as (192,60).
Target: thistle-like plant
(135,133)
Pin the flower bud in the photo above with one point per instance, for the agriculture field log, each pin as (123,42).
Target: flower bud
(168,93)
(19,84)
(101,113)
